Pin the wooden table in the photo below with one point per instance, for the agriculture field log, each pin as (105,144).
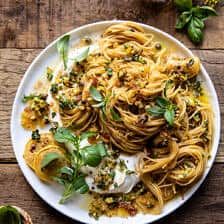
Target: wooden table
(26,27)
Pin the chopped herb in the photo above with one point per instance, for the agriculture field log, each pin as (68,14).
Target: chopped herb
(53,114)
(35,135)
(115,185)
(54,88)
(66,104)
(109,71)
(49,73)
(129,172)
(33,96)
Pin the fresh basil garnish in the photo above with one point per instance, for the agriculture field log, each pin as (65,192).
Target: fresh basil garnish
(192,18)
(62,47)
(95,94)
(71,177)
(49,158)
(82,55)
(163,108)
(115,115)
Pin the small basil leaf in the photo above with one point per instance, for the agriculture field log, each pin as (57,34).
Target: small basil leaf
(183,20)
(10,215)
(183,5)
(82,55)
(91,156)
(59,180)
(100,147)
(48,158)
(198,23)
(95,94)
(155,111)
(203,12)
(66,170)
(115,115)
(162,102)
(77,185)
(169,116)
(80,185)
(64,135)
(87,134)
(62,47)
(99,104)
(194,33)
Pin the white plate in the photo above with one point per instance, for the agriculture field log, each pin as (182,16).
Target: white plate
(77,209)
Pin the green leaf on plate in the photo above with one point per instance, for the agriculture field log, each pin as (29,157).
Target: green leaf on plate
(82,55)
(62,47)
(115,115)
(64,135)
(95,94)
(48,158)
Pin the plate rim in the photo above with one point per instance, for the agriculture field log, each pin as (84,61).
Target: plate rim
(217,124)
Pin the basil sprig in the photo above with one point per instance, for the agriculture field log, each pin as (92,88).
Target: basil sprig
(10,215)
(71,177)
(163,108)
(192,19)
(62,47)
(96,95)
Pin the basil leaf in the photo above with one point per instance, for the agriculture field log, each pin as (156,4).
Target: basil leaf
(162,102)
(95,94)
(198,23)
(64,135)
(183,20)
(183,5)
(194,33)
(48,158)
(87,134)
(62,47)
(10,215)
(91,156)
(66,170)
(169,116)
(203,12)
(82,55)
(80,185)
(77,185)
(100,147)
(115,115)
(155,111)
(99,104)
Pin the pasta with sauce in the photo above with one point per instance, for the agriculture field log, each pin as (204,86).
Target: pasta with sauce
(144,105)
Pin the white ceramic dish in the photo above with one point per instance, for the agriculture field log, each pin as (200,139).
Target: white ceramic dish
(76,209)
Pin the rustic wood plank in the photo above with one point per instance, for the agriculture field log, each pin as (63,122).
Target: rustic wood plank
(14,63)
(33,24)
(209,198)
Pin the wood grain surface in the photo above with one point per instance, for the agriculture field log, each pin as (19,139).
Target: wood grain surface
(26,27)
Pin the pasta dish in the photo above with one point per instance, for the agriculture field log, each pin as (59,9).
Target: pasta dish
(129,122)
